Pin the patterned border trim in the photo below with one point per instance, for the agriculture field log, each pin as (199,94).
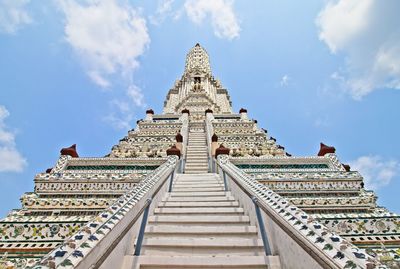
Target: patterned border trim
(74,249)
(339,250)
(329,159)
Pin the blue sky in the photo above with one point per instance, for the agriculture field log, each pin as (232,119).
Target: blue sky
(309,71)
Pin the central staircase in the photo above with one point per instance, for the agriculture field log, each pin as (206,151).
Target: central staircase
(196,153)
(199,224)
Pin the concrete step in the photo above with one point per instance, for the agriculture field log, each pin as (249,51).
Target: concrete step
(199,199)
(204,189)
(183,185)
(208,262)
(200,219)
(204,168)
(196,178)
(205,181)
(197,194)
(205,175)
(202,246)
(196,163)
(195,172)
(209,231)
(200,210)
(197,166)
(198,204)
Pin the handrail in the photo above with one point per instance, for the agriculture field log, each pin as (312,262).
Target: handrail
(208,130)
(139,242)
(208,145)
(327,248)
(185,132)
(78,247)
(260,220)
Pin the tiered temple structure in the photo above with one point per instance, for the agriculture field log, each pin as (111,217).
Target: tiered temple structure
(199,186)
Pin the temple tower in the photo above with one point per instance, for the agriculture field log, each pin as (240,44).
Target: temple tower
(199,186)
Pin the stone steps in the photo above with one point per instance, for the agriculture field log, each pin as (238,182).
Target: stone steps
(243,262)
(196,153)
(200,219)
(200,225)
(202,246)
(205,210)
(209,231)
(201,188)
(199,184)
(198,193)
(200,199)
(198,204)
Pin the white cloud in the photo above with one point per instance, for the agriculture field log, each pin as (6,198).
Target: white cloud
(164,9)
(285,81)
(10,159)
(322,122)
(121,116)
(223,18)
(377,172)
(109,37)
(98,79)
(13,15)
(368,34)
(136,95)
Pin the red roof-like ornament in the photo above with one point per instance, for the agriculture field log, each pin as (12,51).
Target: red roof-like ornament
(221,150)
(179,138)
(185,111)
(71,151)
(243,110)
(324,149)
(150,111)
(214,138)
(346,167)
(174,151)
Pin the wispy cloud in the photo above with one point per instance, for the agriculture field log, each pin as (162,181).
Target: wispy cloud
(368,34)
(219,12)
(13,15)
(376,171)
(164,10)
(10,159)
(284,82)
(322,122)
(109,37)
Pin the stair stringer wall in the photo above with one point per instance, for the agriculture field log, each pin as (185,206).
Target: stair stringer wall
(292,254)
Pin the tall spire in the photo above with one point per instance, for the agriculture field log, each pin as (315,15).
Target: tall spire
(197,61)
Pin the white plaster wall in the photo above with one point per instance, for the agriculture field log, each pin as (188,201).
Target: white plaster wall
(291,254)
(126,245)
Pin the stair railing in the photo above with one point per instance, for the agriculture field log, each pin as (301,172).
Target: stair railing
(185,134)
(288,229)
(209,132)
(96,243)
